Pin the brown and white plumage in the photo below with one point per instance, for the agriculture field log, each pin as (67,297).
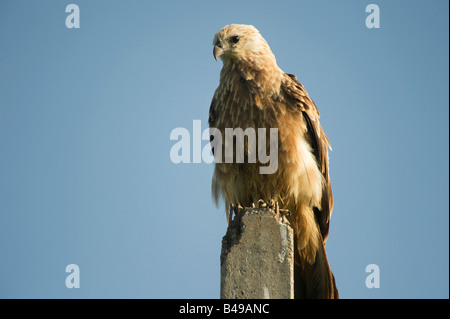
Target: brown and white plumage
(254,92)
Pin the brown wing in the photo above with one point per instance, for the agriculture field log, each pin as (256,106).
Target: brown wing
(212,112)
(212,116)
(296,95)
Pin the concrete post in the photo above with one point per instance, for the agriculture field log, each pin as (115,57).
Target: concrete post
(257,259)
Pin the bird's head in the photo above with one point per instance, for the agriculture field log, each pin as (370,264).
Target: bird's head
(237,42)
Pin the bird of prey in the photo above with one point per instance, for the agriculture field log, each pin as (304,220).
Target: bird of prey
(255,93)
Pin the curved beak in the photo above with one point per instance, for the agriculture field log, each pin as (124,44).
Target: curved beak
(217,51)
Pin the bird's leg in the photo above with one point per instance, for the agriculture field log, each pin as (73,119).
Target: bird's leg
(277,211)
(273,204)
(285,204)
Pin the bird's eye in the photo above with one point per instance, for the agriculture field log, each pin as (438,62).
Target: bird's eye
(234,39)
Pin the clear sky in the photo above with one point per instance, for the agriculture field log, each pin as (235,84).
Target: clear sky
(86,115)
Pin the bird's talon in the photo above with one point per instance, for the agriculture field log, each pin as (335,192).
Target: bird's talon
(262,204)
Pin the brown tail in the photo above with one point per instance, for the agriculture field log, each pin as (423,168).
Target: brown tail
(314,281)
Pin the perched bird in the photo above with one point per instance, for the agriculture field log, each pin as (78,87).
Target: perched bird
(255,93)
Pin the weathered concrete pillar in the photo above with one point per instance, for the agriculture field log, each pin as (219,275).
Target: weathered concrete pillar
(257,259)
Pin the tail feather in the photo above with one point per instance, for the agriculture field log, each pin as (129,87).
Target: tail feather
(314,281)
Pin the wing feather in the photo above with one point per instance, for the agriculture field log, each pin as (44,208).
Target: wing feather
(296,95)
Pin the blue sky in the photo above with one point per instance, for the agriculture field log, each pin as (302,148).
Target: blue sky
(85,119)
